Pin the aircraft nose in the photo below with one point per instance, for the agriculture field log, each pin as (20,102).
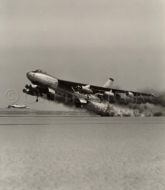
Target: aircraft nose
(29,75)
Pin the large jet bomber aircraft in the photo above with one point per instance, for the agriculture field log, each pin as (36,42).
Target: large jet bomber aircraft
(79,94)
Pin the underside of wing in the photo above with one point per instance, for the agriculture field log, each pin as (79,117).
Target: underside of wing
(98,89)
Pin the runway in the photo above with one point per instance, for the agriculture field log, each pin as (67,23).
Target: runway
(71,152)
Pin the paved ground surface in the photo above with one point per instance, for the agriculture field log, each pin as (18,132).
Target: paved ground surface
(81,153)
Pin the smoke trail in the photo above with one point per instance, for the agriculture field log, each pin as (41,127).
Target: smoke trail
(116,109)
(161,99)
(120,110)
(106,109)
(136,110)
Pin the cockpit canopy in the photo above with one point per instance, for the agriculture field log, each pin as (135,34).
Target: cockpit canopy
(39,71)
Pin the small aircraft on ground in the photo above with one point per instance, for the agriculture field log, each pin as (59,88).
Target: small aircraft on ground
(80,94)
(16,106)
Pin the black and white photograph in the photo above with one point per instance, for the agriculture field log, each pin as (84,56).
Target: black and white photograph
(82,95)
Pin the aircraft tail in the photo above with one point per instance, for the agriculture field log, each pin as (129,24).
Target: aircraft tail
(109,83)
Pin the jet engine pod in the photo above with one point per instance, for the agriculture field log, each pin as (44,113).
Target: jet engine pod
(86,89)
(24,91)
(28,86)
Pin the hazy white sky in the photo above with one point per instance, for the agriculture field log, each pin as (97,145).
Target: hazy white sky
(83,40)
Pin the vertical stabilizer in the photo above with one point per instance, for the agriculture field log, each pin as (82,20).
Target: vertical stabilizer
(109,83)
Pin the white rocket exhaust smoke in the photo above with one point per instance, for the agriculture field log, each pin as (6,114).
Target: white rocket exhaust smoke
(116,109)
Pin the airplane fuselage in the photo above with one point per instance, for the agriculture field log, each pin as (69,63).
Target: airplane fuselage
(46,83)
(42,79)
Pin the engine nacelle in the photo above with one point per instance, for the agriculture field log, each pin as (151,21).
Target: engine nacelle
(30,92)
(109,93)
(86,89)
(130,94)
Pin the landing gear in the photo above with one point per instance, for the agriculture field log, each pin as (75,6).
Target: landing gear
(37,99)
